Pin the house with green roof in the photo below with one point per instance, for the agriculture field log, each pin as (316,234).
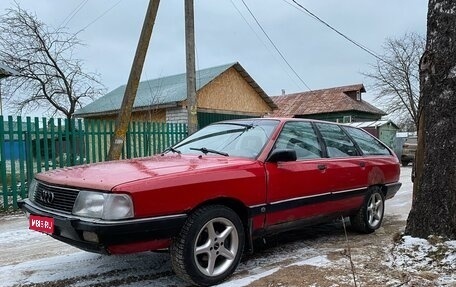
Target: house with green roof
(223,92)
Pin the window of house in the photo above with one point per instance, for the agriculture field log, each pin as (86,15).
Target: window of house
(347,119)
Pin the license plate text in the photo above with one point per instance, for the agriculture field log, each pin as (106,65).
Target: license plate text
(42,224)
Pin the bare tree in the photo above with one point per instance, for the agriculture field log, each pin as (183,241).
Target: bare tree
(50,77)
(434,190)
(396,77)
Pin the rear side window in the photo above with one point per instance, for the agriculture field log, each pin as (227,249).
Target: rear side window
(367,143)
(301,137)
(338,144)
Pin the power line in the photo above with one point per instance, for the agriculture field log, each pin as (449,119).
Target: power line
(73,13)
(264,44)
(359,45)
(275,47)
(101,15)
(312,15)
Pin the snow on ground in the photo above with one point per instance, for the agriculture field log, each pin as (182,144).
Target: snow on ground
(433,255)
(400,204)
(317,261)
(415,254)
(421,254)
(33,259)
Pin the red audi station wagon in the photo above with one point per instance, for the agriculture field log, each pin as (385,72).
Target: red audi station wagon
(210,195)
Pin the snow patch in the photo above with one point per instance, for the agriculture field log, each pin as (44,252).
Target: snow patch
(23,236)
(318,261)
(434,255)
(249,279)
(83,264)
(11,217)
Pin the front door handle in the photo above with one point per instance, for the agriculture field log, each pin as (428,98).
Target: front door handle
(362,164)
(321,166)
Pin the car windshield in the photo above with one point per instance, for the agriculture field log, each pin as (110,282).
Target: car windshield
(237,138)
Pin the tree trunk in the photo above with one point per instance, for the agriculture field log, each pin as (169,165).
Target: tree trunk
(434,191)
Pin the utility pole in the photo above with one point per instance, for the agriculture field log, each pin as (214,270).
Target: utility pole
(124,116)
(190,67)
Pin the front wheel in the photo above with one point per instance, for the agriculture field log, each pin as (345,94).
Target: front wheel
(209,246)
(370,216)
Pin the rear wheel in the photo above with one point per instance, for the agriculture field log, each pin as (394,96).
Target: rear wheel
(370,216)
(209,246)
(405,163)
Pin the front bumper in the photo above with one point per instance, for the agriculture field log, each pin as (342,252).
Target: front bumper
(70,229)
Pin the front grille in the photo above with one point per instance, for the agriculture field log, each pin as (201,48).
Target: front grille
(55,197)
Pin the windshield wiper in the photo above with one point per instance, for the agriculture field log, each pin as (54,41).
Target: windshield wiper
(247,126)
(208,150)
(172,150)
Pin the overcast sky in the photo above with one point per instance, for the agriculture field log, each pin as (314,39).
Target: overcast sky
(322,58)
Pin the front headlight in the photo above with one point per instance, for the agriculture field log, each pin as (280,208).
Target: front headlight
(32,189)
(108,206)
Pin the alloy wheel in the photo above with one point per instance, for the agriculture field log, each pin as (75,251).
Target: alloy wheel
(216,246)
(375,209)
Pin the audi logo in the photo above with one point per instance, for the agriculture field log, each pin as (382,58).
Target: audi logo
(47,196)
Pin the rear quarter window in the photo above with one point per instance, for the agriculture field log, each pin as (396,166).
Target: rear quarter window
(368,144)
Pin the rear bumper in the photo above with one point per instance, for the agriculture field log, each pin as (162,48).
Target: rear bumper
(407,158)
(392,189)
(70,229)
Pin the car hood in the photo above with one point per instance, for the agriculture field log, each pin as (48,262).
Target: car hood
(107,175)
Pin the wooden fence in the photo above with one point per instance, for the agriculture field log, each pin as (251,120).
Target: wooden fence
(41,144)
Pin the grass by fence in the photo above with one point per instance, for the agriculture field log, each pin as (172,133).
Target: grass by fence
(41,144)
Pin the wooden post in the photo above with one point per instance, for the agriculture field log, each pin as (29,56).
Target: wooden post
(124,116)
(190,67)
(1,105)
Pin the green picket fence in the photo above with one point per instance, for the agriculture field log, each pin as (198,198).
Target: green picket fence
(41,144)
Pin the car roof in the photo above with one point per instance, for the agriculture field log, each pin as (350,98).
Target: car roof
(282,119)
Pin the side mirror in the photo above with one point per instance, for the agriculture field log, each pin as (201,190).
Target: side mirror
(282,155)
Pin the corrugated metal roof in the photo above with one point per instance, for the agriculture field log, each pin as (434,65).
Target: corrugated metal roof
(372,124)
(323,101)
(163,92)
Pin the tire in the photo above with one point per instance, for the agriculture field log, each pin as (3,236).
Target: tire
(199,254)
(405,163)
(370,215)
